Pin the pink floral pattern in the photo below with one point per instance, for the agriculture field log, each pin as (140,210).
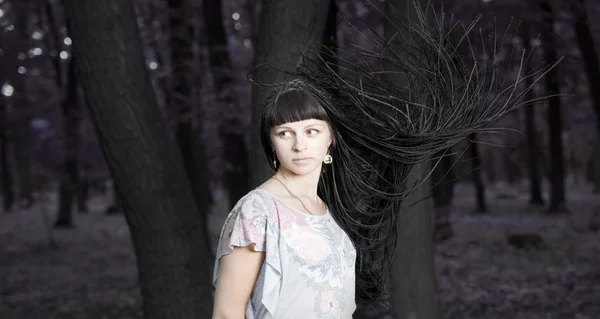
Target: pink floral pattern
(245,227)
(308,245)
(309,265)
(330,304)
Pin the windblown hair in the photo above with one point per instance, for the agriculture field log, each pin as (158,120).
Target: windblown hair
(420,99)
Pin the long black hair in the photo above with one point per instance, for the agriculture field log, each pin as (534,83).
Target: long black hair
(383,127)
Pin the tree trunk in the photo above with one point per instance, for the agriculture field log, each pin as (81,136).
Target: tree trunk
(21,132)
(442,185)
(535,189)
(511,165)
(69,176)
(115,206)
(237,175)
(329,40)
(167,230)
(533,161)
(191,148)
(253,9)
(585,40)
(22,138)
(83,188)
(180,94)
(476,175)
(414,285)
(8,194)
(557,174)
(53,39)
(414,288)
(593,167)
(69,181)
(489,167)
(287,29)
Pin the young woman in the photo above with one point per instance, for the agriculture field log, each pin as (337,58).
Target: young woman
(319,235)
(281,253)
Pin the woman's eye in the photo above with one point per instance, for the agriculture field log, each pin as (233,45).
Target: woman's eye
(312,132)
(283,133)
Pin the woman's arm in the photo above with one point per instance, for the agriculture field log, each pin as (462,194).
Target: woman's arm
(237,276)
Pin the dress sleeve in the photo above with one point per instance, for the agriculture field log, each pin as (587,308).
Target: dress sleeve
(253,221)
(245,225)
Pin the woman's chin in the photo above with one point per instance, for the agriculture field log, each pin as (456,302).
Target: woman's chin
(302,169)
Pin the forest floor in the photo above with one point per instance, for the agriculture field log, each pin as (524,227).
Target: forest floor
(92,273)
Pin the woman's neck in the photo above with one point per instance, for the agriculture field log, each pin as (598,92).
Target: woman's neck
(301,185)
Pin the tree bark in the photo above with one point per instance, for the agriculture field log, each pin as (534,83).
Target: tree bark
(188,128)
(115,206)
(510,169)
(8,194)
(585,40)
(476,176)
(83,188)
(593,167)
(21,133)
(330,32)
(533,162)
(237,175)
(69,181)
(166,227)
(535,189)
(287,29)
(329,42)
(69,175)
(414,284)
(489,167)
(253,9)
(557,174)
(442,185)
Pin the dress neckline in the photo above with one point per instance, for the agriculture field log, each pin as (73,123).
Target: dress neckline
(294,209)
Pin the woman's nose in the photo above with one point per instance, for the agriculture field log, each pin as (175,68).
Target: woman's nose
(300,144)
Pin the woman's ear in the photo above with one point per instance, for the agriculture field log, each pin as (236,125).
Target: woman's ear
(331,136)
(332,140)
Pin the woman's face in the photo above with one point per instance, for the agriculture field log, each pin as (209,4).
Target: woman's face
(301,146)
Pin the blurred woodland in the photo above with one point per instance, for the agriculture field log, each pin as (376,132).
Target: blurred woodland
(198,53)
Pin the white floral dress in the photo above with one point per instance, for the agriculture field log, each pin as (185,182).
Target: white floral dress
(308,272)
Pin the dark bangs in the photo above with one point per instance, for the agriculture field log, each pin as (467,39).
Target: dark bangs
(293,105)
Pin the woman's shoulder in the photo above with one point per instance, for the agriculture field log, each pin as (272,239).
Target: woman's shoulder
(259,193)
(270,188)
(256,198)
